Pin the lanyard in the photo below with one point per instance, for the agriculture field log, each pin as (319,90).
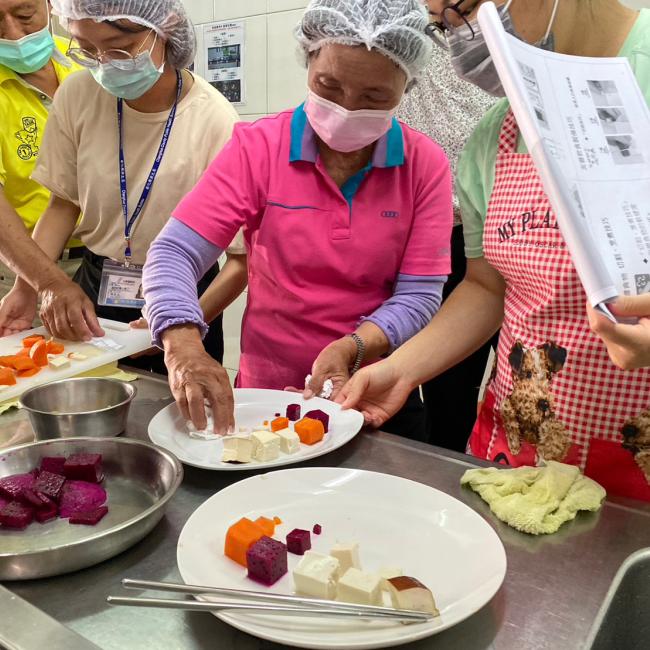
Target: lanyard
(129,223)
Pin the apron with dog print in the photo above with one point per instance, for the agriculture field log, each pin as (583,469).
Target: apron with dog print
(555,394)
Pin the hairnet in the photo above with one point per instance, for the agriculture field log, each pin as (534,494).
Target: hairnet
(396,28)
(167,18)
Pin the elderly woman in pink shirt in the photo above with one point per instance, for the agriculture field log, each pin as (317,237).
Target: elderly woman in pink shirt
(347,216)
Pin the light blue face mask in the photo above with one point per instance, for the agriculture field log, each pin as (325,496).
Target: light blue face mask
(28,54)
(132,82)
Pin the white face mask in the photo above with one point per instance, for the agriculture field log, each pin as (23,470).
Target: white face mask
(472,61)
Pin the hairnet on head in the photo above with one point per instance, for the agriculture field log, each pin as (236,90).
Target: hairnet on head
(396,28)
(167,18)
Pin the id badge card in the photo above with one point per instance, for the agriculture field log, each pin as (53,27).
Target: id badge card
(121,286)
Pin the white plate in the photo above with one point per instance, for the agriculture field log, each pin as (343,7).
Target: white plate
(252,407)
(430,535)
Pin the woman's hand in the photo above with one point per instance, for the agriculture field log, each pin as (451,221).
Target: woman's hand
(334,363)
(378,391)
(68,313)
(141,324)
(17,311)
(194,377)
(628,345)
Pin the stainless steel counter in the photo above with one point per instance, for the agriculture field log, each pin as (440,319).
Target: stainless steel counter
(552,592)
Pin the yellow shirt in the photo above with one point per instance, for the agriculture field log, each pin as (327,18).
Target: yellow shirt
(23,113)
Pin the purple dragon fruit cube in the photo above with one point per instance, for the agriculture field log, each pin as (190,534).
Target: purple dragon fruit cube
(267,561)
(16,515)
(49,484)
(12,486)
(90,517)
(293,412)
(84,467)
(80,496)
(47,511)
(298,541)
(34,499)
(318,529)
(53,464)
(317,414)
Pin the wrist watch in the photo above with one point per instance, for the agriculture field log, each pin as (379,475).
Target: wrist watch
(361,352)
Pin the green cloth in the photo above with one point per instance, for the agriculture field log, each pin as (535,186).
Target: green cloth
(536,500)
(475,175)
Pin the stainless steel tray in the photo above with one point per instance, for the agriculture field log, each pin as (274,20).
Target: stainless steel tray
(140,479)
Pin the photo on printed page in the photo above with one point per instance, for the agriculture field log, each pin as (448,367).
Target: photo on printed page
(614,120)
(604,93)
(624,150)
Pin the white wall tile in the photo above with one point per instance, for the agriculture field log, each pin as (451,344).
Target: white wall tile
(252,118)
(255,67)
(229,9)
(287,78)
(200,11)
(286,5)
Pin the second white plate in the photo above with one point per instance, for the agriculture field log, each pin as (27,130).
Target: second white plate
(252,407)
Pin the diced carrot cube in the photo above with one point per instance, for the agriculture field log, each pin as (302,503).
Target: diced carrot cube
(240,537)
(310,431)
(277,521)
(7,377)
(278,424)
(28,341)
(55,348)
(267,525)
(38,353)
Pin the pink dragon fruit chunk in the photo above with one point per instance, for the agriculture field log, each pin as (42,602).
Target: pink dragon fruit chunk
(53,464)
(89,518)
(84,467)
(16,515)
(46,512)
(298,541)
(80,496)
(293,412)
(49,484)
(34,499)
(12,486)
(317,414)
(318,529)
(267,561)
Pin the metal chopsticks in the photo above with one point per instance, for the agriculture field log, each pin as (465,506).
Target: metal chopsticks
(267,602)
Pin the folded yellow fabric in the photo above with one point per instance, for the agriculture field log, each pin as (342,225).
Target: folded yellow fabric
(535,500)
(110,371)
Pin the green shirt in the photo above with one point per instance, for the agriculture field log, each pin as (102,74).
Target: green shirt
(475,176)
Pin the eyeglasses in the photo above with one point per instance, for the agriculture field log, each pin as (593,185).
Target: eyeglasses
(120,59)
(453,19)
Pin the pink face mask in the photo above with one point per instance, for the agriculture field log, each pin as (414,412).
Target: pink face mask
(344,130)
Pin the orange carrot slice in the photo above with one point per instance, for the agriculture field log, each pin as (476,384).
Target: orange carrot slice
(7,377)
(21,364)
(38,353)
(278,424)
(28,341)
(29,373)
(55,348)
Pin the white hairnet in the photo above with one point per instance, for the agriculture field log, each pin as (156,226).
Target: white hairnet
(167,18)
(396,28)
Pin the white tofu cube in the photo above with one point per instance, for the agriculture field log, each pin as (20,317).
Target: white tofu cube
(347,555)
(289,441)
(388,572)
(58,363)
(316,575)
(266,446)
(358,587)
(238,448)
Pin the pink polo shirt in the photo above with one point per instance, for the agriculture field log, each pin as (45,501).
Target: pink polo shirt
(320,257)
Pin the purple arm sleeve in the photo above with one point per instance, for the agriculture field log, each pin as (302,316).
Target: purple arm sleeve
(176,261)
(414,303)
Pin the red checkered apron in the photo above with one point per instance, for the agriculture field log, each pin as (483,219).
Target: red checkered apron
(545,302)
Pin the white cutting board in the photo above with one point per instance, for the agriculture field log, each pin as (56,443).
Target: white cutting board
(120,341)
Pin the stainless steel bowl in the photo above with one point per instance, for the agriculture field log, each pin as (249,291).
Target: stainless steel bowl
(140,480)
(98,408)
